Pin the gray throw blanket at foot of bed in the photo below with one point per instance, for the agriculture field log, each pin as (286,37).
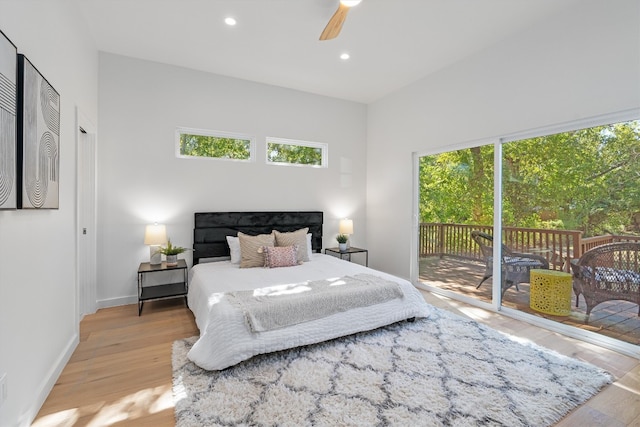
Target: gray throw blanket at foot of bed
(275,307)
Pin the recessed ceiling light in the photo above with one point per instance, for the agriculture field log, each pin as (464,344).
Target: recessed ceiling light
(344,56)
(230,21)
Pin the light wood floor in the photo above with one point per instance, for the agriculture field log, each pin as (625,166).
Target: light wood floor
(120,373)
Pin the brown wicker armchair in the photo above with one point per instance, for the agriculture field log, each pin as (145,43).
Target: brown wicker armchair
(515,266)
(608,272)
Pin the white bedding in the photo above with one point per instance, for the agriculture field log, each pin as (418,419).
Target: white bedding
(225,338)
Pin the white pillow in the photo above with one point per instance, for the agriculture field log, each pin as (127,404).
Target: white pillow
(309,246)
(234,249)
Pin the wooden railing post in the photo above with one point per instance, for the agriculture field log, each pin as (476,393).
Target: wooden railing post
(577,246)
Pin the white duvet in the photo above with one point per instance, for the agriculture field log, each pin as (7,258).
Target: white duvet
(225,338)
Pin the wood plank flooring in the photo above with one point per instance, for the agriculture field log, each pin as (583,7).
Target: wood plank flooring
(120,373)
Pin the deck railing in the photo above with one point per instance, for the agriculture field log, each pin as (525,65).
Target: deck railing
(559,247)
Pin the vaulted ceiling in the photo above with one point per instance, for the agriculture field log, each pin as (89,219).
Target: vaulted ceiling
(391,43)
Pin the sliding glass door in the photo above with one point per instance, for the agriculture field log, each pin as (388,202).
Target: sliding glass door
(455,208)
(558,195)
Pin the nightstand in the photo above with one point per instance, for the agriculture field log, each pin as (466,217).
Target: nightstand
(348,252)
(165,290)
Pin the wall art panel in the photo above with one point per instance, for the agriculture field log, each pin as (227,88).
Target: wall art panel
(8,124)
(38,139)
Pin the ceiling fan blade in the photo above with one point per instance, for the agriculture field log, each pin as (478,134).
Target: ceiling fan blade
(335,23)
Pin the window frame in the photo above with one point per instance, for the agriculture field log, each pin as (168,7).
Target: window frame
(323,146)
(216,134)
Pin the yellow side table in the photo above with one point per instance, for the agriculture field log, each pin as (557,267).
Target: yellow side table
(550,292)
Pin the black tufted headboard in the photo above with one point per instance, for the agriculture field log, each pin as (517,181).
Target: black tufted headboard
(211,229)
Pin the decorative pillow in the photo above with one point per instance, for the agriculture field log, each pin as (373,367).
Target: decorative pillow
(234,249)
(298,237)
(280,256)
(251,249)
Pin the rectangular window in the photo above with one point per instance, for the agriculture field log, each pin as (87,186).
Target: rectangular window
(297,153)
(215,144)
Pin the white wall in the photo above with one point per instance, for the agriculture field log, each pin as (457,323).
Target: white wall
(582,63)
(142,181)
(38,325)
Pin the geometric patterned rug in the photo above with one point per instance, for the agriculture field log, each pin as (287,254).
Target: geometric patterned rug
(444,370)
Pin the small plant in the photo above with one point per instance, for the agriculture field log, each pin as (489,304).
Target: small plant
(170,249)
(342,238)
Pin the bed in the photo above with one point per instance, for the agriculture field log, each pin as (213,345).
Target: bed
(231,333)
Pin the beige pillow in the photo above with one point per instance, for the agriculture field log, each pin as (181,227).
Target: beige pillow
(293,238)
(251,249)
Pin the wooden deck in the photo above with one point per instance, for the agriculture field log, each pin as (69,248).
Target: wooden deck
(616,319)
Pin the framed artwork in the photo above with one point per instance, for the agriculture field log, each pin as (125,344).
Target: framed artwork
(8,124)
(38,139)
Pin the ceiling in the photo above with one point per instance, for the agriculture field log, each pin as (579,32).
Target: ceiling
(391,42)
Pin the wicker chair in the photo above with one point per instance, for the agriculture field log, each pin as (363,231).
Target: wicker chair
(608,272)
(515,266)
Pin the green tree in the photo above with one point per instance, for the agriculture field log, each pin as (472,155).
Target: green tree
(457,186)
(213,146)
(296,154)
(586,179)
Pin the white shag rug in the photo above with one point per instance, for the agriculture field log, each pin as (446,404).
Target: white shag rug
(444,370)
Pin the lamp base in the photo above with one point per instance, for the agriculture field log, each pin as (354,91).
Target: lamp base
(155,257)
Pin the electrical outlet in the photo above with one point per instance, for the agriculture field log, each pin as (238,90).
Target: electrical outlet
(3,388)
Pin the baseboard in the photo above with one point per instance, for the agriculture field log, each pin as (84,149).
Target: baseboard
(50,379)
(115,302)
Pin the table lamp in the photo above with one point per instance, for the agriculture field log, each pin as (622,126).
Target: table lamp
(346,227)
(155,235)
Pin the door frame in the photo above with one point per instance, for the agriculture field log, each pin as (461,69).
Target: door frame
(85,127)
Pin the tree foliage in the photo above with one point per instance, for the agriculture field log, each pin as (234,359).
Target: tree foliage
(585,180)
(213,146)
(296,154)
(240,149)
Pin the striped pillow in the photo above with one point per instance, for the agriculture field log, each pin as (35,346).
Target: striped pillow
(293,238)
(281,256)
(251,249)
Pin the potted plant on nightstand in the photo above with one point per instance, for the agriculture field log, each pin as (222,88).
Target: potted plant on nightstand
(171,252)
(342,241)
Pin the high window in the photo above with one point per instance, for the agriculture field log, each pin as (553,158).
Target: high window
(215,144)
(297,153)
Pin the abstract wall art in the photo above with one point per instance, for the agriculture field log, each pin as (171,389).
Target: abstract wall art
(8,124)
(38,139)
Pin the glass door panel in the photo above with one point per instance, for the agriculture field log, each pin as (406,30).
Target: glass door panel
(455,208)
(562,195)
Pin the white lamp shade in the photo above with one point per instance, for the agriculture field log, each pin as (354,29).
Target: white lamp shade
(346,226)
(155,234)
(350,3)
